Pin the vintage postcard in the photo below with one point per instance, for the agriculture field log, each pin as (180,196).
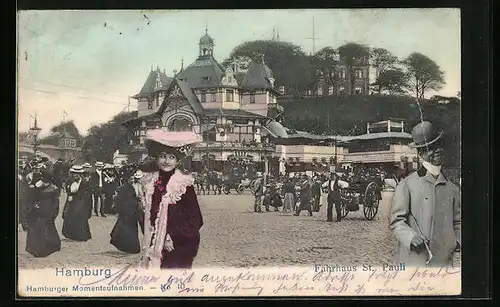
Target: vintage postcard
(239,153)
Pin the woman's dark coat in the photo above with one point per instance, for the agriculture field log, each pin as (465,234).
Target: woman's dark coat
(43,207)
(76,213)
(124,235)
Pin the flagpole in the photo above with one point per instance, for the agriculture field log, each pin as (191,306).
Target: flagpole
(64,125)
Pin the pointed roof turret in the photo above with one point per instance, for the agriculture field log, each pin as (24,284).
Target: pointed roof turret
(258,76)
(149,86)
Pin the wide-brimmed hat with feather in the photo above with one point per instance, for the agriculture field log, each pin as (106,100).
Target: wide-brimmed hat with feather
(181,143)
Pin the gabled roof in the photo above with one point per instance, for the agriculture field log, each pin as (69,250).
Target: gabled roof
(240,76)
(204,72)
(187,92)
(149,86)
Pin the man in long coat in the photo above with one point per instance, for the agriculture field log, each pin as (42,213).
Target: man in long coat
(98,182)
(425,214)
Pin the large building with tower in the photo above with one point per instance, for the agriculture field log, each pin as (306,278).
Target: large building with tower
(228,108)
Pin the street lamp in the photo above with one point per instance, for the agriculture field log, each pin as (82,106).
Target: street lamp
(35,131)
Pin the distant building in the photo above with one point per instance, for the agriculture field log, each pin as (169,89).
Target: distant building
(343,81)
(384,145)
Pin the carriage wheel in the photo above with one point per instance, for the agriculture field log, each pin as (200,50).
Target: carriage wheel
(344,211)
(370,205)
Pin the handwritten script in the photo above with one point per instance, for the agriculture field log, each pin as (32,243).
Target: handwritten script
(293,281)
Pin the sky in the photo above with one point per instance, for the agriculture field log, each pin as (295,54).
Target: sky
(84,65)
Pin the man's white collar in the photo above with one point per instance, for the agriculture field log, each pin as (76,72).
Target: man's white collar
(433,169)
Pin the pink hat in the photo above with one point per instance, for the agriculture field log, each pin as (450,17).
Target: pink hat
(180,141)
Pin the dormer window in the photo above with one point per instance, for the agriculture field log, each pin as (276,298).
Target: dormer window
(229,95)
(205,79)
(229,79)
(203,97)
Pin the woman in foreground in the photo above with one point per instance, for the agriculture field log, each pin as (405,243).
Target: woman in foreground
(172,213)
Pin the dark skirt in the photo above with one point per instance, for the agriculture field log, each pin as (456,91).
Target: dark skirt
(181,257)
(124,235)
(76,220)
(42,238)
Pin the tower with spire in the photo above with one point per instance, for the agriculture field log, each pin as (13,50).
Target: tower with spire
(206,45)
(222,104)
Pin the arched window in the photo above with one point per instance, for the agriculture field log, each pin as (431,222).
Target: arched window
(180,123)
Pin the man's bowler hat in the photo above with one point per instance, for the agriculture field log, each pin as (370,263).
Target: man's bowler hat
(424,134)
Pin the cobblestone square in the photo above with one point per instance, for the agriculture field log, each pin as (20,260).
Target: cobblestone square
(234,236)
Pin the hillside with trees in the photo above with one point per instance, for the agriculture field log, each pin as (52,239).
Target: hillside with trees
(416,74)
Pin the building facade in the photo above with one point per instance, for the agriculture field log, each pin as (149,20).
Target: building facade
(208,99)
(384,145)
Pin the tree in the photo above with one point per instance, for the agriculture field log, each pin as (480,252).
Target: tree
(324,64)
(351,55)
(290,65)
(423,74)
(382,60)
(58,130)
(69,127)
(393,81)
(103,140)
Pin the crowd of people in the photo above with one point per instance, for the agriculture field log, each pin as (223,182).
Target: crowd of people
(300,192)
(101,189)
(87,190)
(140,195)
(160,198)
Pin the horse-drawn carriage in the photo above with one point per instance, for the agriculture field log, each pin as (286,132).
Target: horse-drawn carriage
(231,182)
(361,191)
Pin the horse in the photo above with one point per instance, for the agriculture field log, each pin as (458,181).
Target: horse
(214,182)
(199,181)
